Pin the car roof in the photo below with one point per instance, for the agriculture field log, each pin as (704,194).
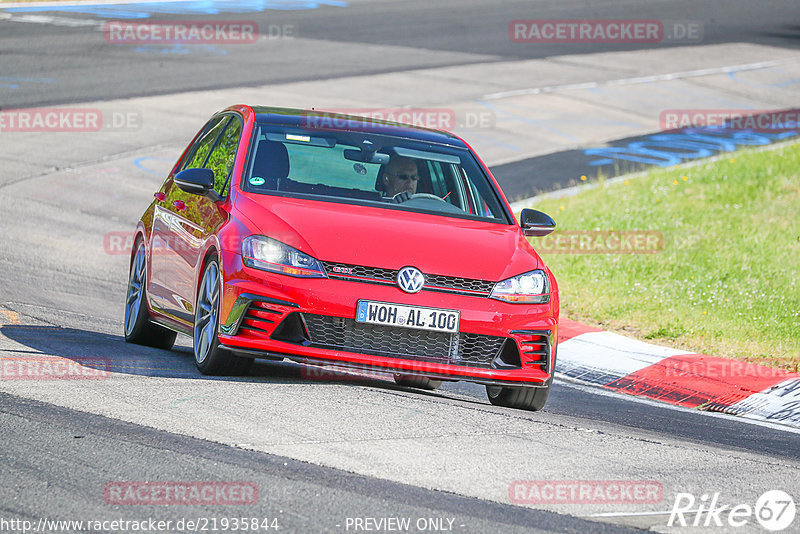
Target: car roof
(304,118)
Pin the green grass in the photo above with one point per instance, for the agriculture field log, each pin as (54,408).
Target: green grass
(725,283)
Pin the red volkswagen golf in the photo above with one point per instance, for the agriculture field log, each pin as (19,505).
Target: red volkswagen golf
(338,240)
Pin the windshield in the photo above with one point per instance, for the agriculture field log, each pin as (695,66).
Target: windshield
(365,168)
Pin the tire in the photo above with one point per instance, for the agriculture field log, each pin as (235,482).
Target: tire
(139,329)
(419,382)
(521,398)
(209,358)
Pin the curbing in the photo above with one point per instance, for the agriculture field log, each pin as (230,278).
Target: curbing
(591,355)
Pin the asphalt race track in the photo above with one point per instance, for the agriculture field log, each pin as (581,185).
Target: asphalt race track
(326,449)
(361,37)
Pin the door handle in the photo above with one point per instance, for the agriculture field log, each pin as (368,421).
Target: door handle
(179,205)
(160,196)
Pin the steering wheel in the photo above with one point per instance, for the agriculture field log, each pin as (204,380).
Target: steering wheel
(444,206)
(426,195)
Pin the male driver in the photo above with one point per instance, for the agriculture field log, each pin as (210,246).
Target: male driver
(400,176)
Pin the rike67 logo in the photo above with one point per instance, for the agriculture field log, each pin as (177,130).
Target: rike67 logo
(774,510)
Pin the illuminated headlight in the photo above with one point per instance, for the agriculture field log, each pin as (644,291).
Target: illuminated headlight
(529,288)
(267,254)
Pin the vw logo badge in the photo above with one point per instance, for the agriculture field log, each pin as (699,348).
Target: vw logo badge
(410,279)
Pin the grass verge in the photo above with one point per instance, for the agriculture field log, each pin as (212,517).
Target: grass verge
(724,283)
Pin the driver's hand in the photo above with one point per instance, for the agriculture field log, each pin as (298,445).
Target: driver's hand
(402,196)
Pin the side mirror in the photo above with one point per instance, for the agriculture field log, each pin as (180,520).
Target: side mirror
(195,181)
(534,223)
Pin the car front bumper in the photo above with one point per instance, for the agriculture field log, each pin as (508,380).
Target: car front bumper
(312,321)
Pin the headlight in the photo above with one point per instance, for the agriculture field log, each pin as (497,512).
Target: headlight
(267,254)
(529,288)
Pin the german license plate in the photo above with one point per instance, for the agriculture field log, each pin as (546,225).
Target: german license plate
(387,314)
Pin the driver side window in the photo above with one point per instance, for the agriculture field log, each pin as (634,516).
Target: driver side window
(223,156)
(199,153)
(216,150)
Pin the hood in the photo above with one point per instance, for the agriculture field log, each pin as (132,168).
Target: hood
(390,238)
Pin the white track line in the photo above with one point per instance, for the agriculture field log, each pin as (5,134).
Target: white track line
(33,18)
(636,80)
(6,5)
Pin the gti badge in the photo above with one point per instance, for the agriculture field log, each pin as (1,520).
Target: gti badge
(410,279)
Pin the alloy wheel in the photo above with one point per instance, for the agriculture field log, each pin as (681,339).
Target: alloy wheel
(205,324)
(135,294)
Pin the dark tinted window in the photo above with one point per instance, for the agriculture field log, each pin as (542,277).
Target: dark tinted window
(199,152)
(216,149)
(347,166)
(223,156)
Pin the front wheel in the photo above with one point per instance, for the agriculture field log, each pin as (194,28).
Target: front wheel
(138,327)
(521,398)
(209,358)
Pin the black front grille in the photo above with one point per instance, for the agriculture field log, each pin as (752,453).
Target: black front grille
(433,282)
(336,333)
(344,270)
(481,286)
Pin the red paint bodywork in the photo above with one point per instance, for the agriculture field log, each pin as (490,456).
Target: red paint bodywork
(359,235)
